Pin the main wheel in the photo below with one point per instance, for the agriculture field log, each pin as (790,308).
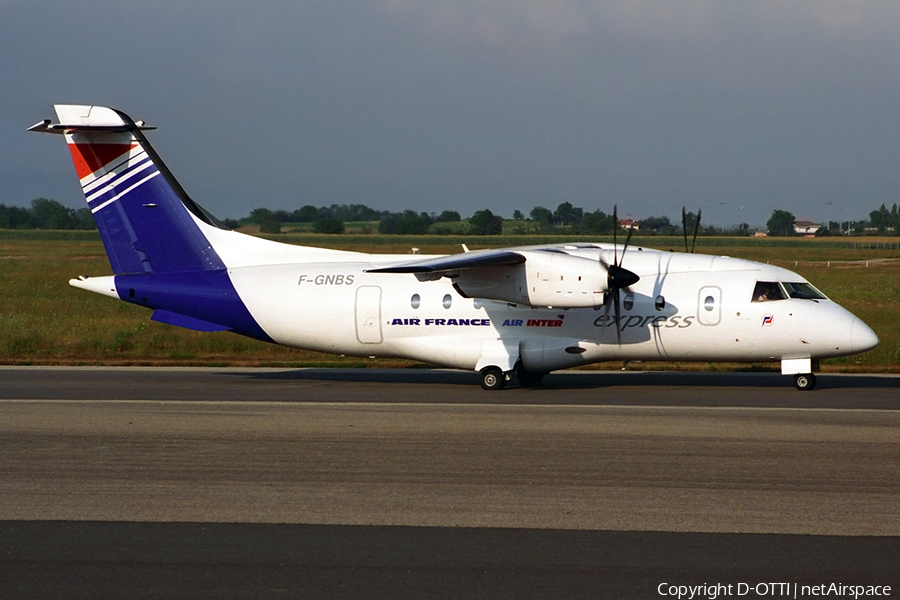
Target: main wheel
(492,378)
(528,378)
(805,381)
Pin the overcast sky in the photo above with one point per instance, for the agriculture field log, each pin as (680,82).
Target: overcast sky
(737,108)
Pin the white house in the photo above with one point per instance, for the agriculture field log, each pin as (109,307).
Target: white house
(806,227)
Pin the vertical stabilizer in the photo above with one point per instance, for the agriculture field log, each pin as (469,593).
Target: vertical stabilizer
(152,230)
(143,214)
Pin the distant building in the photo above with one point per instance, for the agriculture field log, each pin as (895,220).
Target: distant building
(629,224)
(806,227)
(760,234)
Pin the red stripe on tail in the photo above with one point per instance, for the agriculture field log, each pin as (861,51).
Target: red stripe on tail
(88,158)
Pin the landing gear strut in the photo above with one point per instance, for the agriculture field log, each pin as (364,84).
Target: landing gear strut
(805,381)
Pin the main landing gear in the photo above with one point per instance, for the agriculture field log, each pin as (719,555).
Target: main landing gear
(805,381)
(493,378)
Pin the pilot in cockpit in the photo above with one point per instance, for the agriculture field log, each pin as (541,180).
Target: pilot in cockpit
(766,291)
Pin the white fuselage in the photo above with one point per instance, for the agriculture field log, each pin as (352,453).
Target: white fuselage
(686,307)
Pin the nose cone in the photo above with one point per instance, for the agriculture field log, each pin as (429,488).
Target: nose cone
(862,338)
(618,277)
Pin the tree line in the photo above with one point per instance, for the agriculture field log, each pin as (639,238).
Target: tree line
(45,214)
(565,219)
(882,221)
(885,220)
(333,219)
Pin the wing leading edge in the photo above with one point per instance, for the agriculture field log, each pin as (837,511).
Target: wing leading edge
(467,260)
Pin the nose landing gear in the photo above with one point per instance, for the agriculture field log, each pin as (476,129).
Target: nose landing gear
(802,370)
(804,381)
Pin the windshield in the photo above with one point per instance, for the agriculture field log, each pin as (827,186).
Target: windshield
(803,290)
(767,291)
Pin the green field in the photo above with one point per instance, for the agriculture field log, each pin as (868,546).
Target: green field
(45,321)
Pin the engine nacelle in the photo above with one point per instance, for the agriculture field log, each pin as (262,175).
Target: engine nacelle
(544,279)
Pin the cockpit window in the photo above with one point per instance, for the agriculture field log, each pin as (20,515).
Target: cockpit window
(803,290)
(767,291)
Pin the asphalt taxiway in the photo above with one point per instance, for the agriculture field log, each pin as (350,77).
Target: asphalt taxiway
(417,483)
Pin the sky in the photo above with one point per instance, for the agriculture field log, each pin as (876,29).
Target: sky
(735,108)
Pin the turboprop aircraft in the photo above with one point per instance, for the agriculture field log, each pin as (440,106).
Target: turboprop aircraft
(510,313)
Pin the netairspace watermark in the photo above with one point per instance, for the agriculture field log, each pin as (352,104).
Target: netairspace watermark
(711,591)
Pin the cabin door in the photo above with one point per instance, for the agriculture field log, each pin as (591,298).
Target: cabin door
(368,314)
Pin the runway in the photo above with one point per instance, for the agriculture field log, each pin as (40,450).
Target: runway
(597,484)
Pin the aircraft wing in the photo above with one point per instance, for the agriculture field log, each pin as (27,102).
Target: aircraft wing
(467,260)
(538,276)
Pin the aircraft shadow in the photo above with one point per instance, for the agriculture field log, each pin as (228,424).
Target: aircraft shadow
(562,380)
(580,388)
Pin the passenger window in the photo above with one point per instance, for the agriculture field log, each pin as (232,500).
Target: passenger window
(766,291)
(803,291)
(448,300)
(415,301)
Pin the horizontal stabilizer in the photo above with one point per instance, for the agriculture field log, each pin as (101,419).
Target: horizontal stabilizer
(87,118)
(467,260)
(170,318)
(99,285)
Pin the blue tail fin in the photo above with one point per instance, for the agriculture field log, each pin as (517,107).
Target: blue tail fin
(152,230)
(143,214)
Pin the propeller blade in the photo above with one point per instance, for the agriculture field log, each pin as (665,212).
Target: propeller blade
(696,229)
(618,317)
(684,227)
(625,249)
(615,230)
(616,276)
(607,302)
(605,266)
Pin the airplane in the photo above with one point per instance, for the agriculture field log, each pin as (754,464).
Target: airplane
(508,314)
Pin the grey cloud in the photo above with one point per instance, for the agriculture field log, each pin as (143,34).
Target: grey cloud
(471,105)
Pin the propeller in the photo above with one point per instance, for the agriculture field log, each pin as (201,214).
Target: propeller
(618,277)
(684,229)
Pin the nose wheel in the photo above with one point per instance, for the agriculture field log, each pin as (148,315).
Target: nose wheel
(805,381)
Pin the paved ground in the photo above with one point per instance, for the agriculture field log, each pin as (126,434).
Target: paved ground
(428,386)
(416,483)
